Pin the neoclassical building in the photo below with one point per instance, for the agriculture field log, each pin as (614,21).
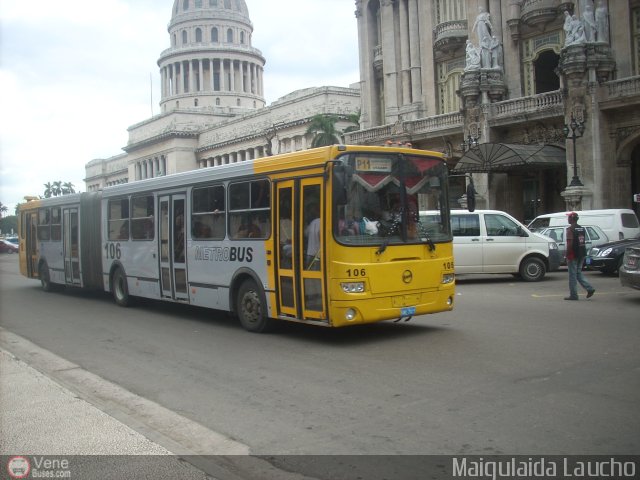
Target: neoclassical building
(507,88)
(213,109)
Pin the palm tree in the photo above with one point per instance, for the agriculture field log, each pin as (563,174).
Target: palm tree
(351,118)
(48,190)
(57,188)
(323,128)
(67,188)
(3,209)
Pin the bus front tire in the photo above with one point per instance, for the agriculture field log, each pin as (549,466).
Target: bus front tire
(120,288)
(251,308)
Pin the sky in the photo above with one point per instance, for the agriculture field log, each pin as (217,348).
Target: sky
(74,75)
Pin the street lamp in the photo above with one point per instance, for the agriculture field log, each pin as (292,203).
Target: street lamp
(574,130)
(471,142)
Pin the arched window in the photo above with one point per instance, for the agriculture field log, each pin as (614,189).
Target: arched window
(218,102)
(198,3)
(184,37)
(185,5)
(238,102)
(229,36)
(544,70)
(199,35)
(242,38)
(175,40)
(214,35)
(213,3)
(227,4)
(195,102)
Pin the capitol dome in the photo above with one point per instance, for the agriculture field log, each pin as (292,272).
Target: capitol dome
(211,63)
(229,6)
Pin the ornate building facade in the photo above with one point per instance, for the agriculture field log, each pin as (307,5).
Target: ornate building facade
(536,100)
(212,102)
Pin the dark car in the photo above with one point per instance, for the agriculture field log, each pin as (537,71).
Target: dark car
(8,247)
(607,258)
(630,270)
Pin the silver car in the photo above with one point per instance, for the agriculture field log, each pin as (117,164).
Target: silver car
(595,238)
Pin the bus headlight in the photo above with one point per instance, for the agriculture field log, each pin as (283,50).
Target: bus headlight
(448,278)
(350,314)
(352,287)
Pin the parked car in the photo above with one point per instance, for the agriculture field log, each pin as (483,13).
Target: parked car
(630,269)
(8,247)
(608,257)
(617,223)
(491,241)
(595,238)
(13,240)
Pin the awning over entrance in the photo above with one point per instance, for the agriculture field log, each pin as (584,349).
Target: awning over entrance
(501,157)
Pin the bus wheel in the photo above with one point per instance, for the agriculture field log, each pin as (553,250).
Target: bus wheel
(120,289)
(532,269)
(251,308)
(45,281)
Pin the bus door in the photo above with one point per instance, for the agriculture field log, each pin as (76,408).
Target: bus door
(70,246)
(172,247)
(300,271)
(30,220)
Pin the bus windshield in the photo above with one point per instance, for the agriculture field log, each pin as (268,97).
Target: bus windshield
(378,198)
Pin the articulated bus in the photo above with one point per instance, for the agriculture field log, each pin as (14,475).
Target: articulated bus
(329,236)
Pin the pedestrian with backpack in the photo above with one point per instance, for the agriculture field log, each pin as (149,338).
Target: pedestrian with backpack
(576,254)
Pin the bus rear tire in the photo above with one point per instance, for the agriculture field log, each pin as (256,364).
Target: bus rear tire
(120,288)
(251,308)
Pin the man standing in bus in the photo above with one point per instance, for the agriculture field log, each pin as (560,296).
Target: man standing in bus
(312,232)
(576,253)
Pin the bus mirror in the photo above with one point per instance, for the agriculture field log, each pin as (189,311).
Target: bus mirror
(341,176)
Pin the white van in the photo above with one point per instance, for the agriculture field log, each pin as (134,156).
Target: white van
(491,241)
(616,223)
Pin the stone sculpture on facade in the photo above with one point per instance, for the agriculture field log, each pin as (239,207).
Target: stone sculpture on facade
(602,22)
(589,23)
(483,28)
(472,57)
(574,30)
(496,53)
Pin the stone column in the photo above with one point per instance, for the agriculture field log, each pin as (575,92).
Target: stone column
(389,53)
(222,75)
(414,45)
(405,60)
(201,73)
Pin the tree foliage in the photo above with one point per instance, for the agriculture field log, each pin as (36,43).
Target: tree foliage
(57,188)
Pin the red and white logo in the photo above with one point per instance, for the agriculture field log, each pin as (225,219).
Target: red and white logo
(18,467)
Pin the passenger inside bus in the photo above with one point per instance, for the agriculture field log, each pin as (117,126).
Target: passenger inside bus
(312,233)
(248,229)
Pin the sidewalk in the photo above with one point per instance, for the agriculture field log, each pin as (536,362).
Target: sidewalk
(41,417)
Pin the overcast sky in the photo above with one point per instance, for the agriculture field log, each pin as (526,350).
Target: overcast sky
(74,75)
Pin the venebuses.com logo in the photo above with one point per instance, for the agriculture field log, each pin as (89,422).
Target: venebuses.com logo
(18,467)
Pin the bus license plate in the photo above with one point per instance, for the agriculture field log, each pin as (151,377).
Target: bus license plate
(407,311)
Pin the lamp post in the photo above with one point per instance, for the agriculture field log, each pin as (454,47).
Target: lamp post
(575,129)
(470,142)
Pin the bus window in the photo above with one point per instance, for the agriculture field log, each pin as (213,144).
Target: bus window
(249,210)
(119,219)
(383,197)
(56,231)
(142,219)
(44,233)
(208,213)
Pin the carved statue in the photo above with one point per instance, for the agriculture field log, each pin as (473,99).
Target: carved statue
(589,23)
(602,22)
(574,30)
(472,58)
(496,52)
(483,28)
